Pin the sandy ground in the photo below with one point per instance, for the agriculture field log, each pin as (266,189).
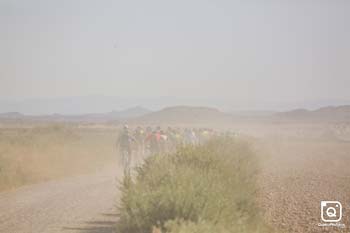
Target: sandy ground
(84,204)
(297,176)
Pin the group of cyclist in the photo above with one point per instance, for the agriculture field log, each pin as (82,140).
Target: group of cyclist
(135,144)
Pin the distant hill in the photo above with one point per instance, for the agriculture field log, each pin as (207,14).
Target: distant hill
(189,115)
(133,112)
(15,115)
(184,115)
(339,113)
(93,117)
(252,113)
(103,117)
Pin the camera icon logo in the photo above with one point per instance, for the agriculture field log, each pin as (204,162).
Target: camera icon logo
(331,211)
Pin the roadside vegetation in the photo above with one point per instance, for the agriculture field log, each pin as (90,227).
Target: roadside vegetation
(205,189)
(29,155)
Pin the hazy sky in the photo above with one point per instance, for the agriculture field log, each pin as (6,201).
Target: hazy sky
(258,54)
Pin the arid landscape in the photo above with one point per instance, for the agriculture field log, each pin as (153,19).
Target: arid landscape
(182,116)
(63,177)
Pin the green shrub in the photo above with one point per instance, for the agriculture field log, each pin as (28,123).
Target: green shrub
(202,187)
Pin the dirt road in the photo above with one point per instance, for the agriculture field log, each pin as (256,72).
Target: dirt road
(82,204)
(297,176)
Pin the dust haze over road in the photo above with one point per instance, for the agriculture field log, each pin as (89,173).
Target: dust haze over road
(82,204)
(68,68)
(300,166)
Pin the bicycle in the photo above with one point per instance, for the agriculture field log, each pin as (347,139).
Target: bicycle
(126,161)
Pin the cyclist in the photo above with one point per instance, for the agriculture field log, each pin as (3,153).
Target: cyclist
(124,142)
(139,136)
(163,141)
(190,137)
(154,142)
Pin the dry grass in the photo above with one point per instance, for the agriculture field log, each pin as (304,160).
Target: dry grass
(29,155)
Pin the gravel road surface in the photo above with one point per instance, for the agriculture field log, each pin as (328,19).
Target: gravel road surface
(84,204)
